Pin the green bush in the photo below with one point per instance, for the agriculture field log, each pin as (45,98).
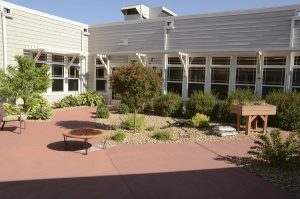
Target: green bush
(167,105)
(274,151)
(149,106)
(222,110)
(91,99)
(123,109)
(68,101)
(39,109)
(200,102)
(12,109)
(151,128)
(200,120)
(288,109)
(102,111)
(119,137)
(162,135)
(128,123)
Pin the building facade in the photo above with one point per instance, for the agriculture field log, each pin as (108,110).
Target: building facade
(219,52)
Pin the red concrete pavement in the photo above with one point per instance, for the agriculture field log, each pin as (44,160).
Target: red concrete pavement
(35,165)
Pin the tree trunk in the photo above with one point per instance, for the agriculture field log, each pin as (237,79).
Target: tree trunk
(134,120)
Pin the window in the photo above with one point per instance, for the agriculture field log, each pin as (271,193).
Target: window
(297,61)
(98,61)
(220,75)
(296,79)
(245,75)
(197,60)
(58,78)
(273,79)
(38,65)
(42,57)
(57,58)
(221,61)
(220,82)
(100,79)
(73,79)
(76,60)
(196,79)
(174,83)
(174,60)
(175,73)
(244,61)
(195,87)
(7,11)
(275,61)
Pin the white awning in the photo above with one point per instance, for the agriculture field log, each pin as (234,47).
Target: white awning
(48,49)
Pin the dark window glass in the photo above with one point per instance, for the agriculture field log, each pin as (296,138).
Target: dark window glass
(174,60)
(100,72)
(296,77)
(57,85)
(196,74)
(267,89)
(246,60)
(38,65)
(132,11)
(100,85)
(175,88)
(220,75)
(57,58)
(57,71)
(42,57)
(297,60)
(197,60)
(296,89)
(73,84)
(221,91)
(175,73)
(98,61)
(221,61)
(195,87)
(245,75)
(76,61)
(73,72)
(278,60)
(273,76)
(245,87)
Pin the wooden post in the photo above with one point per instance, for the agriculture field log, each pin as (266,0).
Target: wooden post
(248,124)
(238,123)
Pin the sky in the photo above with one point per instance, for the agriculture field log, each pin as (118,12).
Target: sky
(105,11)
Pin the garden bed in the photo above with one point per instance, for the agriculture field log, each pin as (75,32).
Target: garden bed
(161,124)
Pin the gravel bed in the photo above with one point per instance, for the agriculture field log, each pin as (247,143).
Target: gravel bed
(179,134)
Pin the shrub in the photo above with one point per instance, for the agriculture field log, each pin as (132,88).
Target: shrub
(200,120)
(274,151)
(238,96)
(68,101)
(119,137)
(128,123)
(102,111)
(91,99)
(162,135)
(149,106)
(12,109)
(123,108)
(151,128)
(288,109)
(200,102)
(39,109)
(167,105)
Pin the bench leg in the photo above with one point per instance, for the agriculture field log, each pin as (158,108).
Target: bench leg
(2,125)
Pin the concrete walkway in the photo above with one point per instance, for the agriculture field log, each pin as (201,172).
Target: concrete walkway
(35,165)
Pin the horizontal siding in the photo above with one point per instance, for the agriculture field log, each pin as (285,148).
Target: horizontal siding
(1,46)
(140,36)
(262,30)
(297,34)
(30,29)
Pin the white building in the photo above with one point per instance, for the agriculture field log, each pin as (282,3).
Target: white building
(218,52)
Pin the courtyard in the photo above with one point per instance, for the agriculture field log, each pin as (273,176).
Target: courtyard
(34,164)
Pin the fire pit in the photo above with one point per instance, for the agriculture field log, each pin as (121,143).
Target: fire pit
(85,134)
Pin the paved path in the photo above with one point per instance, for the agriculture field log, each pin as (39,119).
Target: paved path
(35,165)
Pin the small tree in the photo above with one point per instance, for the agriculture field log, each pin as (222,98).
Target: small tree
(136,85)
(26,81)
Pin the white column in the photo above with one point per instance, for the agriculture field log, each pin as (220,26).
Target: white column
(289,71)
(108,90)
(65,75)
(185,80)
(164,74)
(207,86)
(4,40)
(232,74)
(259,74)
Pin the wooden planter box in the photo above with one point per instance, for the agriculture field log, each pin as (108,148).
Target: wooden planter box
(245,110)
(252,112)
